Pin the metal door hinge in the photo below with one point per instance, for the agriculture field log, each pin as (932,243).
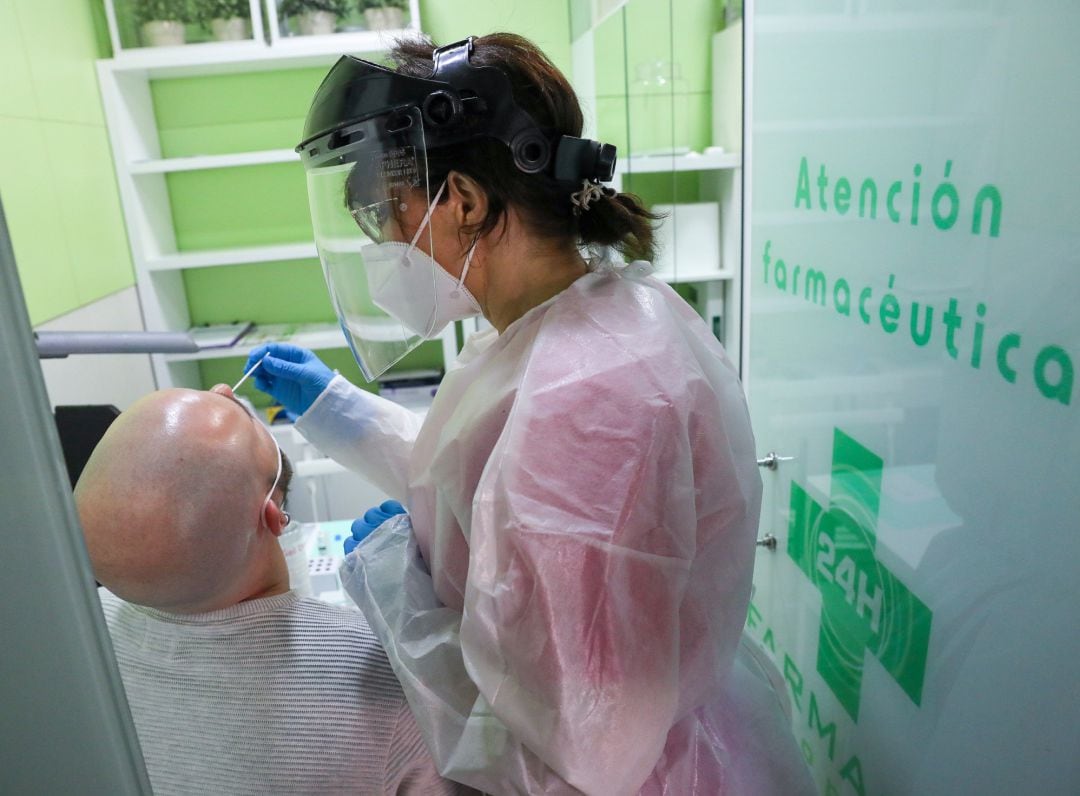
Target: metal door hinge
(772,460)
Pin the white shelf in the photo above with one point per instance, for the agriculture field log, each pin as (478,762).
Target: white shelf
(316,336)
(692,161)
(201,162)
(215,58)
(308,251)
(603,10)
(694,276)
(310,335)
(637,164)
(238,256)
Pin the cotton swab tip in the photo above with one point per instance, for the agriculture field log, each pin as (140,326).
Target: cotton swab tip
(249,372)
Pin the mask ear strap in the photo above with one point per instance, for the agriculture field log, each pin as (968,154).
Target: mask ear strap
(427,215)
(277,477)
(468,262)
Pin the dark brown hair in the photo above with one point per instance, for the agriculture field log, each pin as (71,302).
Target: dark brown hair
(617,220)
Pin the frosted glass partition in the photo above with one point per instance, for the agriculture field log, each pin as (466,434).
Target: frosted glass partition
(914,268)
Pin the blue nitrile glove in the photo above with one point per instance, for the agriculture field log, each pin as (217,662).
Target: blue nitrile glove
(372,519)
(294,376)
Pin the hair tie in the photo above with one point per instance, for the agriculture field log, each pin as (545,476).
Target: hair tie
(589,193)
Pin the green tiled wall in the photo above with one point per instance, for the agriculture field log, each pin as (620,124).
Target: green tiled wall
(56,175)
(244,206)
(283,292)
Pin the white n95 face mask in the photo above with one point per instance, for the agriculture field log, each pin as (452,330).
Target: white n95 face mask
(400,278)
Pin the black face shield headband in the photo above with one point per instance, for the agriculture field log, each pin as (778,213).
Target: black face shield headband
(458,103)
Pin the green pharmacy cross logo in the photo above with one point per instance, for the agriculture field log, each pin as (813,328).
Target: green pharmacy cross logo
(863,605)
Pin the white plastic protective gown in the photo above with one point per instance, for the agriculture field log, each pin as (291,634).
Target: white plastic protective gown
(565,612)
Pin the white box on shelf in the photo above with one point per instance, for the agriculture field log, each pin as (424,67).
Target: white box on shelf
(136,33)
(688,241)
(727,99)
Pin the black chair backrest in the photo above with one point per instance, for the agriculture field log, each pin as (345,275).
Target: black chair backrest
(80,429)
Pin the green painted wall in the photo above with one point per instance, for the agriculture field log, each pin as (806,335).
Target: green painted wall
(56,172)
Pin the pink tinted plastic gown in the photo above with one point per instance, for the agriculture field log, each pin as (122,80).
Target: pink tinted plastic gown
(565,612)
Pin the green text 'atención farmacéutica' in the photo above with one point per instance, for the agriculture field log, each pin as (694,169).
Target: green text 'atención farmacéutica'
(901,199)
(1051,369)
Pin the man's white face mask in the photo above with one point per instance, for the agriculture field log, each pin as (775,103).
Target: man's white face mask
(400,277)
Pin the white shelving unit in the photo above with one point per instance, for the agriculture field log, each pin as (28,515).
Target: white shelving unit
(725,170)
(604,56)
(691,161)
(141,173)
(197,163)
(310,335)
(139,52)
(236,256)
(719,284)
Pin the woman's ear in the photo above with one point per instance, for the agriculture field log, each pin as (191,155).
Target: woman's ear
(468,200)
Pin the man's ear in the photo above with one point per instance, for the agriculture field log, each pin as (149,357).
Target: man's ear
(275,518)
(468,200)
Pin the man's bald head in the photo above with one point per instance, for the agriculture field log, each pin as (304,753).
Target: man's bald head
(172,504)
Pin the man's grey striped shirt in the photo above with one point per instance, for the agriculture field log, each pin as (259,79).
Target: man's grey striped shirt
(281,695)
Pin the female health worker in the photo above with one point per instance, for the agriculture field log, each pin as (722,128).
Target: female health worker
(565,598)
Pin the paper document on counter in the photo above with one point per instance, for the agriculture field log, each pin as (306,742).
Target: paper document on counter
(222,335)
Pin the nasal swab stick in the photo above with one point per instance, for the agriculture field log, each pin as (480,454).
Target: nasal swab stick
(250,371)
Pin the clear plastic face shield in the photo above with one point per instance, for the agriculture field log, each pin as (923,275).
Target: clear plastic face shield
(370,210)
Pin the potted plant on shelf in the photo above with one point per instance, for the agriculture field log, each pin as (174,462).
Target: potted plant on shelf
(227,20)
(384,14)
(162,22)
(314,17)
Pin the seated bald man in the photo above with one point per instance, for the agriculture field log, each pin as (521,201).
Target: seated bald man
(236,684)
